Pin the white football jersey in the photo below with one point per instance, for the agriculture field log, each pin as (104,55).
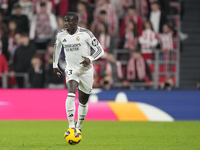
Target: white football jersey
(75,46)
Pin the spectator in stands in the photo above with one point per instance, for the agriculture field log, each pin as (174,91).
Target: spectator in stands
(157,17)
(20,19)
(131,15)
(10,4)
(27,8)
(4,36)
(165,6)
(12,32)
(138,69)
(62,7)
(121,6)
(3,6)
(52,81)
(61,23)
(36,73)
(167,85)
(43,27)
(17,43)
(3,26)
(130,39)
(3,63)
(104,38)
(4,45)
(95,24)
(144,7)
(100,19)
(82,12)
(111,72)
(90,10)
(148,40)
(111,17)
(50,6)
(22,58)
(166,42)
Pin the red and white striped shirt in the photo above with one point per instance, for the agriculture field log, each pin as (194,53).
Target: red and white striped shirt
(130,41)
(148,40)
(166,41)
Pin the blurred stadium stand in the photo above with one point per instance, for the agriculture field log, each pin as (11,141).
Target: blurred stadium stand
(184,70)
(190,62)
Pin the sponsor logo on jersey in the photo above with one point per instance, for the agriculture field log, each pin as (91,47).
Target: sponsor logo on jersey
(72,47)
(94,42)
(64,40)
(77,38)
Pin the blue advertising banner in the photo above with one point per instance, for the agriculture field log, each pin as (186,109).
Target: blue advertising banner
(179,104)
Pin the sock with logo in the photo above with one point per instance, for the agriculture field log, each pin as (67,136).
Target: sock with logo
(82,112)
(70,109)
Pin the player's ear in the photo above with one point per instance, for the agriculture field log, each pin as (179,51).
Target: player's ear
(76,22)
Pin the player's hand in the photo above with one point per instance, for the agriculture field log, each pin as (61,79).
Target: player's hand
(85,62)
(57,71)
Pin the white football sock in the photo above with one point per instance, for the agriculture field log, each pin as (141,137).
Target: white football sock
(82,112)
(70,109)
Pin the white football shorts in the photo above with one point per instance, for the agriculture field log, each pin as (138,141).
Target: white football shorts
(83,77)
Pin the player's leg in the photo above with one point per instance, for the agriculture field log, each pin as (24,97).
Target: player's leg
(83,108)
(84,89)
(72,86)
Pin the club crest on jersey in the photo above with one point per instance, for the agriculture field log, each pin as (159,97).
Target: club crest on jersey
(94,42)
(77,38)
(64,40)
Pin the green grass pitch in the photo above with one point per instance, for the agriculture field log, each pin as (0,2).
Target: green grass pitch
(101,135)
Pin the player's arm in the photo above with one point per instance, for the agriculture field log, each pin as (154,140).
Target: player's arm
(56,54)
(94,43)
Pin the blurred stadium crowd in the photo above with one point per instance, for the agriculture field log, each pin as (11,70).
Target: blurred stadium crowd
(130,32)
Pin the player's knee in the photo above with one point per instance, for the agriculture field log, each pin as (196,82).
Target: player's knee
(83,104)
(72,90)
(83,101)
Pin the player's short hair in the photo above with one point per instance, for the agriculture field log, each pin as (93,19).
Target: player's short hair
(72,14)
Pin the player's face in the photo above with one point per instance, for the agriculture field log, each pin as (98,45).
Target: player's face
(70,23)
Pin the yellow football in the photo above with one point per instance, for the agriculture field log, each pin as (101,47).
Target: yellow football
(72,136)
